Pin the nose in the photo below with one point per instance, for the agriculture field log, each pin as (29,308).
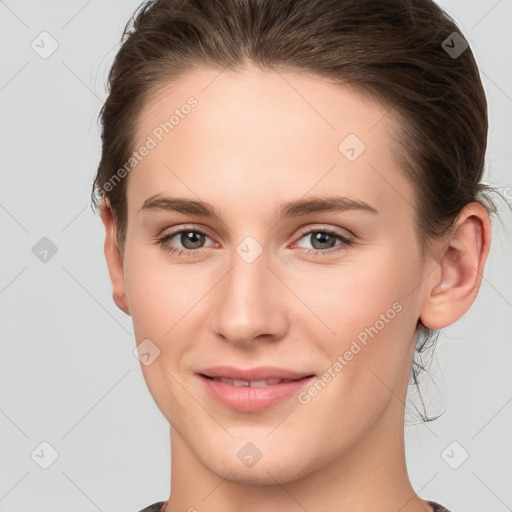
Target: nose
(250,302)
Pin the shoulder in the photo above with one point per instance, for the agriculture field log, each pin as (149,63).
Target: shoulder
(155,507)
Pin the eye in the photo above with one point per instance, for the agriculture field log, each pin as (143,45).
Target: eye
(324,241)
(191,240)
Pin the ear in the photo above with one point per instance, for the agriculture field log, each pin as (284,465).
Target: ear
(113,257)
(451,291)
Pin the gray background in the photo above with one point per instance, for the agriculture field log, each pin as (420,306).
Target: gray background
(68,375)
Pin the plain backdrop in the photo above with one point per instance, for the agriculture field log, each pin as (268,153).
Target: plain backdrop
(68,376)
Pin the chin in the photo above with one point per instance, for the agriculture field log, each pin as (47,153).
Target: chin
(264,475)
(278,466)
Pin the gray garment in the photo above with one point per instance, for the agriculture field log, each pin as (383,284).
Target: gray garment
(158,505)
(153,508)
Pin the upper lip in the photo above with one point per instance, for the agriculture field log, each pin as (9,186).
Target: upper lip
(253,374)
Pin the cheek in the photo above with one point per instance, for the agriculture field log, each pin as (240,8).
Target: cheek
(161,300)
(160,295)
(356,295)
(373,314)
(154,302)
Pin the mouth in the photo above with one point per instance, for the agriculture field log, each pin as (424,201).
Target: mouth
(252,390)
(268,374)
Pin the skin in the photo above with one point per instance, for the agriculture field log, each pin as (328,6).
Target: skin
(258,138)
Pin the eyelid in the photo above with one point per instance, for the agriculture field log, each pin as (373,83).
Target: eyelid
(322,227)
(184,227)
(198,228)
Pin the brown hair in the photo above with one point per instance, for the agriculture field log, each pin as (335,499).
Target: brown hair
(396,50)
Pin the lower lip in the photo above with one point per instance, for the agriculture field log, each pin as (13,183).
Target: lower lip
(249,399)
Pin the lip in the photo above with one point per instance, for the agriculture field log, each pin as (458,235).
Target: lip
(253,399)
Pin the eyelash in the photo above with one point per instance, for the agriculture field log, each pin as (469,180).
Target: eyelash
(346,241)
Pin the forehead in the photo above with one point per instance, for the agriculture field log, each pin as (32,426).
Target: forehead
(266,102)
(237,133)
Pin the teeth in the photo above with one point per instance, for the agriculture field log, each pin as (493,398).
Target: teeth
(238,383)
(251,383)
(261,383)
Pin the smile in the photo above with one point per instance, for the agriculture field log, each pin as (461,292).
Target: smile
(252,395)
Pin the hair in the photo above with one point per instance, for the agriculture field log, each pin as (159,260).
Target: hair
(394,50)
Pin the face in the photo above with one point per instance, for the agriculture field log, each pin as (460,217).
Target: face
(327,293)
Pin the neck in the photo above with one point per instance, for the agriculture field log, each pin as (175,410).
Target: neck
(371,475)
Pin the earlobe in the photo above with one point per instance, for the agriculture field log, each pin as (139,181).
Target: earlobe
(113,257)
(452,291)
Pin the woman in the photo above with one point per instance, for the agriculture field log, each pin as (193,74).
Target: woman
(292,203)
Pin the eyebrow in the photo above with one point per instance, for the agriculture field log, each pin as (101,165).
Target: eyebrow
(294,208)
